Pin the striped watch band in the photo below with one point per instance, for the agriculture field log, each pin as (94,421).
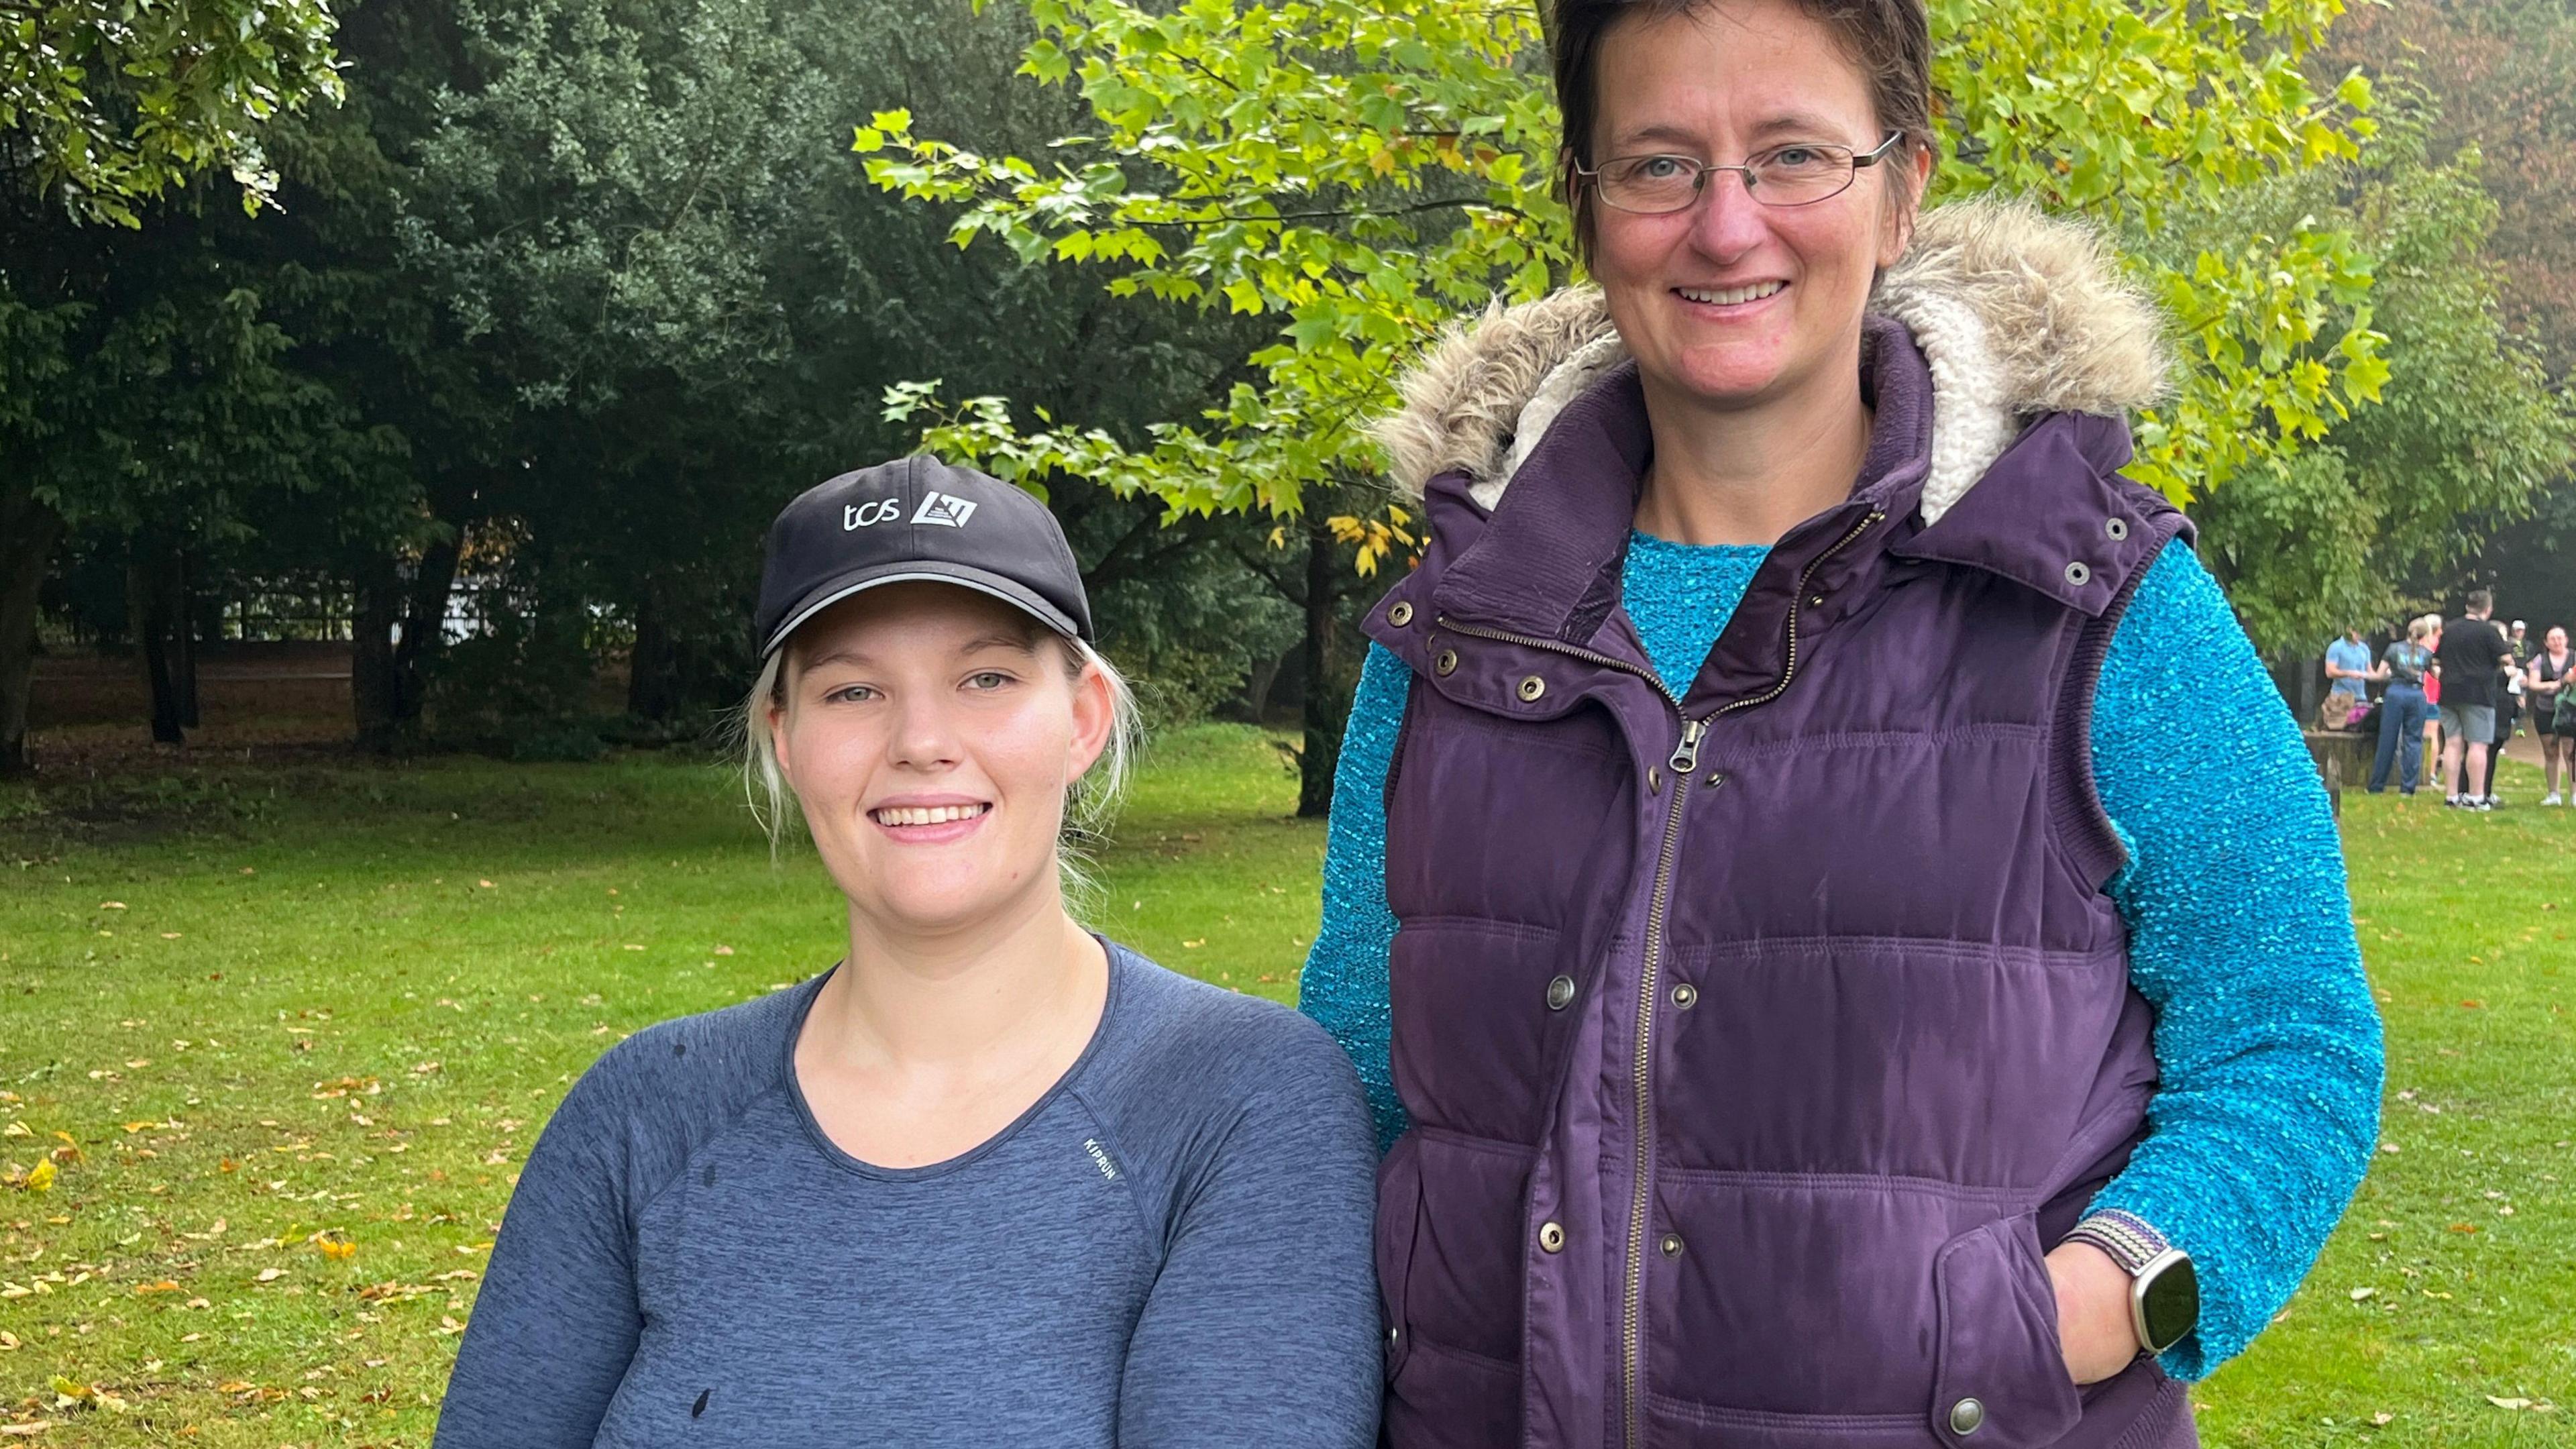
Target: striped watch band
(2130,1240)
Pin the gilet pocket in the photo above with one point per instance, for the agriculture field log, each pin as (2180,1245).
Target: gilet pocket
(2001,1380)
(1399,1220)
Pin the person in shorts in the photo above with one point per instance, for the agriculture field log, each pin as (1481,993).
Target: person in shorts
(2471,656)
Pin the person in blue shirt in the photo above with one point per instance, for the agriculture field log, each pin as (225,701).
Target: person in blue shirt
(991,1180)
(2349,673)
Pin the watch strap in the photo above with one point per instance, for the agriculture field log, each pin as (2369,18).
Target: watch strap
(2132,1241)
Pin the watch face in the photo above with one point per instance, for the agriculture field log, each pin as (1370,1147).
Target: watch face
(2170,1303)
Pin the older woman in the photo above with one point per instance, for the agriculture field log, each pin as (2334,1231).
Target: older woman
(1865,953)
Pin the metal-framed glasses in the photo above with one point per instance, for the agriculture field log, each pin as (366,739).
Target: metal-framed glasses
(1790,175)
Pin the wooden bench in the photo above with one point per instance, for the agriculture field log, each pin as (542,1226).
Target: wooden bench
(2343,757)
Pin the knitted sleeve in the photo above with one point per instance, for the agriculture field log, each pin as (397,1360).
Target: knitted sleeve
(2267,1041)
(1344,987)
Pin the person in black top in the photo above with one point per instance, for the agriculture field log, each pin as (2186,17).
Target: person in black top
(2472,653)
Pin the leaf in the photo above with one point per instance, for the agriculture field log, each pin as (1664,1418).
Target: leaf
(40,1178)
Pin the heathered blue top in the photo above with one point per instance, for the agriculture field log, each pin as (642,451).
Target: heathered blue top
(1170,1248)
(2267,1042)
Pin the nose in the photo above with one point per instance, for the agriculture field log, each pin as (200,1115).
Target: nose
(925,734)
(1726,222)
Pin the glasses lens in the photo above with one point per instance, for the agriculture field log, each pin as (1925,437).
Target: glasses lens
(1649,183)
(1793,174)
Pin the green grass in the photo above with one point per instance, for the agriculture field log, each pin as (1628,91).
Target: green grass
(314,1015)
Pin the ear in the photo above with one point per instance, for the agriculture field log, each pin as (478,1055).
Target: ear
(774,720)
(1900,222)
(1095,714)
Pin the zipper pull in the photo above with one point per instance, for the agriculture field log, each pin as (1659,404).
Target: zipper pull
(1686,754)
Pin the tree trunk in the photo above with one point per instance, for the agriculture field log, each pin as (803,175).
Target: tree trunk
(28,532)
(652,667)
(147,608)
(1327,704)
(1256,687)
(425,625)
(183,641)
(394,630)
(375,610)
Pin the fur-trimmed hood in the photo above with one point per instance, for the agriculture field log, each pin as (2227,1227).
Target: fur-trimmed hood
(2017,315)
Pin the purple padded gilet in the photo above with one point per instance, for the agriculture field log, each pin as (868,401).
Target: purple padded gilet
(1748,1089)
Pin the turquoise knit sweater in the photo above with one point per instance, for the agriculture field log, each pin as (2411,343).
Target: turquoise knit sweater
(2241,935)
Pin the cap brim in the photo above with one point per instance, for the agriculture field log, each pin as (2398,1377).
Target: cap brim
(920,571)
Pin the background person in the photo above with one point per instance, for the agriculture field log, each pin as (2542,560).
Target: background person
(2349,672)
(2472,656)
(2553,710)
(2509,702)
(991,1180)
(2403,710)
(1670,902)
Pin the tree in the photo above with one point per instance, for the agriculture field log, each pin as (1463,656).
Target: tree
(109,105)
(1364,172)
(2366,523)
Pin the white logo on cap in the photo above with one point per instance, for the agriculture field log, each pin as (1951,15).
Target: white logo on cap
(871,513)
(943,508)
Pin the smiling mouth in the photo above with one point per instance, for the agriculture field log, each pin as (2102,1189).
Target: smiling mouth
(927,814)
(1729,296)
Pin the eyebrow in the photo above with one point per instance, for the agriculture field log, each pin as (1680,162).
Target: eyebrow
(1792,123)
(975,645)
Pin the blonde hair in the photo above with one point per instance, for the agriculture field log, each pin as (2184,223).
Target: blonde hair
(1090,802)
(2419,629)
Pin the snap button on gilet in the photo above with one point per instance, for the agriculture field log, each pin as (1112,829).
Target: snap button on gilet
(1966,1416)
(1560,992)
(1445,662)
(1399,614)
(2078,574)
(2118,528)
(1685,996)
(1532,688)
(1551,1237)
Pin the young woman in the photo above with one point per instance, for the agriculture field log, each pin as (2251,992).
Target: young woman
(1864,947)
(2403,709)
(2552,725)
(991,1179)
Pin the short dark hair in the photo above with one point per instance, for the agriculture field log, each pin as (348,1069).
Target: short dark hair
(1890,40)
(2481,599)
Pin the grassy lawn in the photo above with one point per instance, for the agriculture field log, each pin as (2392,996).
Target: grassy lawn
(291,1028)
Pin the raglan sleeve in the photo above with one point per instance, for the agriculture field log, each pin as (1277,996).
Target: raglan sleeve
(557,1320)
(1261,1330)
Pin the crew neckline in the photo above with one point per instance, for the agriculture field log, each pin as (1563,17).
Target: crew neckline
(835,1154)
(1654,542)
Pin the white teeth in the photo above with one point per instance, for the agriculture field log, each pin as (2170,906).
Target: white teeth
(924,814)
(1730,296)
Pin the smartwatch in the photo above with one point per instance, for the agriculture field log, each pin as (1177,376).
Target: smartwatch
(2164,1291)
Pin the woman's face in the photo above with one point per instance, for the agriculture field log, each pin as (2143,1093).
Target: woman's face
(2556,640)
(1717,84)
(930,734)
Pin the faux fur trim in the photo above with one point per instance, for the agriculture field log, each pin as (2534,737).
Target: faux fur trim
(2017,313)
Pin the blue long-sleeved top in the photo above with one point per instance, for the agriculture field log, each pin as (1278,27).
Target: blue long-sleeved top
(1169,1248)
(2267,1041)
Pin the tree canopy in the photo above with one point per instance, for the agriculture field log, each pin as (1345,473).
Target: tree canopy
(111,104)
(1365,171)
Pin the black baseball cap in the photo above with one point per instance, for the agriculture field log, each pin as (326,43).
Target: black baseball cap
(916,519)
